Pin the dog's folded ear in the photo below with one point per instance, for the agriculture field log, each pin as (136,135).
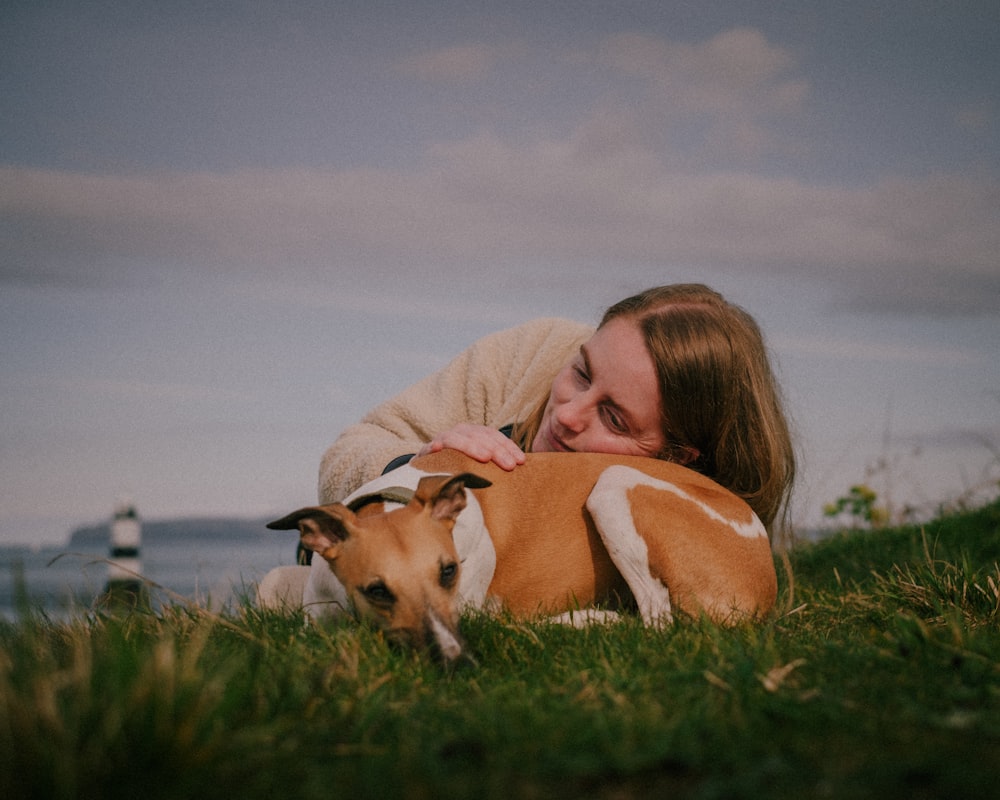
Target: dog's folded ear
(320,528)
(291,522)
(445,494)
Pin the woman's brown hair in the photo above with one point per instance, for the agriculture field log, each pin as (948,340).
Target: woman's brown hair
(718,396)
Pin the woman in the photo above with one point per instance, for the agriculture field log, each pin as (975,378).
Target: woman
(675,372)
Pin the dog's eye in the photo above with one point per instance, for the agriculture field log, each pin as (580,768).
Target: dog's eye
(378,594)
(449,572)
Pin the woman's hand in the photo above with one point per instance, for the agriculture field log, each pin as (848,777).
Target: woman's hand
(479,442)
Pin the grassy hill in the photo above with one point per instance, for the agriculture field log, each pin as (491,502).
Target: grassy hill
(971,536)
(878,676)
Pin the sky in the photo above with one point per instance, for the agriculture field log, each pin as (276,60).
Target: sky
(230,228)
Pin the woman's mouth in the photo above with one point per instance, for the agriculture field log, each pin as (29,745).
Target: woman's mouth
(555,443)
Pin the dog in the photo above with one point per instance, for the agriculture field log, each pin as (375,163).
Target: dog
(578,537)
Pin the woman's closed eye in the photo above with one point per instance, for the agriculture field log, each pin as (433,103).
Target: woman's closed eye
(614,421)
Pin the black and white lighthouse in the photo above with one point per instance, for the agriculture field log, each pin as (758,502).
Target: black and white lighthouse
(125,585)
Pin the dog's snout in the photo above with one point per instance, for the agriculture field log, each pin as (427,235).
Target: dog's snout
(432,634)
(443,638)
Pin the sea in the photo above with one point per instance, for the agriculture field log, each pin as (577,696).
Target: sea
(65,581)
(213,563)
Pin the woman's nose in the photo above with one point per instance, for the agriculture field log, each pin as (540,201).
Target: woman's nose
(572,414)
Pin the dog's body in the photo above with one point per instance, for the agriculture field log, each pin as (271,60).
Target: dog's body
(561,533)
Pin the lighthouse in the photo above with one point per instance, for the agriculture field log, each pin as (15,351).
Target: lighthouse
(125,586)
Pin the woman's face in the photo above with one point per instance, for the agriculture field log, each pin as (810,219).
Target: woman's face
(606,400)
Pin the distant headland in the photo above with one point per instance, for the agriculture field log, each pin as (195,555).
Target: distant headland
(173,531)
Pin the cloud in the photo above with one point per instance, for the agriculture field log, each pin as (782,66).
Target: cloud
(659,165)
(481,204)
(709,99)
(732,71)
(716,98)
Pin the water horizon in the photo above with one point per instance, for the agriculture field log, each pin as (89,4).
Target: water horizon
(62,580)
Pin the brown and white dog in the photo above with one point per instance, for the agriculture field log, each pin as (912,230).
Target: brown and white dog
(563,534)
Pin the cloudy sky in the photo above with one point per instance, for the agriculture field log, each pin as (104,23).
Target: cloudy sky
(229,228)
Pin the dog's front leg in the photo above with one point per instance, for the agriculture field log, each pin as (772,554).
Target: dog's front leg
(609,507)
(324,597)
(583,617)
(313,588)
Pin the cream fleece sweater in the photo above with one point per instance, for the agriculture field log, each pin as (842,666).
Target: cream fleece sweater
(497,381)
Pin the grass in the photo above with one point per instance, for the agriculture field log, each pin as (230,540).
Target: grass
(878,676)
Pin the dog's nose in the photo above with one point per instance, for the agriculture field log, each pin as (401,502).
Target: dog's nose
(442,638)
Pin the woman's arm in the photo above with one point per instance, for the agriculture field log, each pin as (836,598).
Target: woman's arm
(492,383)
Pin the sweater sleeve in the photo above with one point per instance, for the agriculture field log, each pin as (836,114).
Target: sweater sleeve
(495,382)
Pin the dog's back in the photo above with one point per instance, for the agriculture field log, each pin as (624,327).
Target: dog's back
(700,541)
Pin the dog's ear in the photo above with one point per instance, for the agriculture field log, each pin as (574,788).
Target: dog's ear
(445,494)
(320,528)
(472,481)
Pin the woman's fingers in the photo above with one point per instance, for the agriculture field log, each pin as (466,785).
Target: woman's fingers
(479,442)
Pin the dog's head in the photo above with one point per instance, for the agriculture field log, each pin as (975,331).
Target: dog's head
(400,567)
